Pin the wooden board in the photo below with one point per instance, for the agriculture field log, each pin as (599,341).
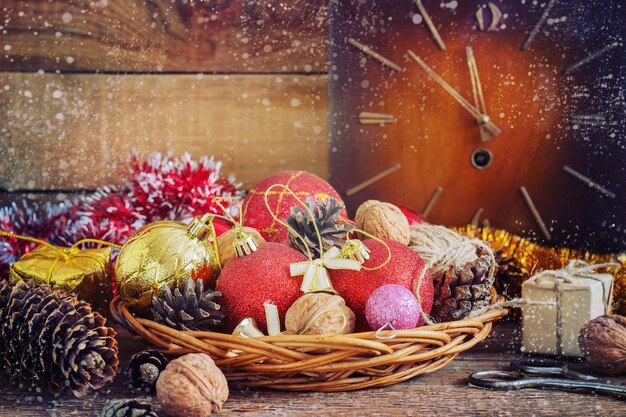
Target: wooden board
(77,130)
(164,35)
(443,393)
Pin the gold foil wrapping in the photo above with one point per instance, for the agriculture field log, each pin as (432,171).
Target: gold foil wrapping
(529,258)
(166,253)
(84,272)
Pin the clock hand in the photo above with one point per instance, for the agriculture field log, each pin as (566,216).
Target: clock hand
(482,118)
(477,90)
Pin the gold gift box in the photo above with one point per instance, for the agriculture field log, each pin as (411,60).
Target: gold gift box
(84,272)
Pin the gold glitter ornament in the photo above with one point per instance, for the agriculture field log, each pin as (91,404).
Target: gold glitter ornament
(166,253)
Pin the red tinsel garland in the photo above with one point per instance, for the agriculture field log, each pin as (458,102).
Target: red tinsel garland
(156,188)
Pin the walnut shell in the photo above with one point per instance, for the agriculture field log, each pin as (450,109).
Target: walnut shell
(319,313)
(192,386)
(603,343)
(226,239)
(383,220)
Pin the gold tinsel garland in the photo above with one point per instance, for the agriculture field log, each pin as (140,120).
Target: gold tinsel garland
(529,258)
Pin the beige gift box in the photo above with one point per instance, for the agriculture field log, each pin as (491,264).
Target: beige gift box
(559,303)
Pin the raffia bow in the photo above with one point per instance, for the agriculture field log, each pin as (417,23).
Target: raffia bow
(575,269)
(315,271)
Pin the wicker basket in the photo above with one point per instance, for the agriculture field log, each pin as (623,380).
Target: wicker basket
(321,363)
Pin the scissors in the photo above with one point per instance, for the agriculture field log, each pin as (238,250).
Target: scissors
(544,373)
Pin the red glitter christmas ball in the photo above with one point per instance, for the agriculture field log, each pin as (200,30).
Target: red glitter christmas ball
(247,282)
(404,269)
(303,184)
(413,216)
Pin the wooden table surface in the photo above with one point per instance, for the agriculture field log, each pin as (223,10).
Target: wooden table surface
(443,393)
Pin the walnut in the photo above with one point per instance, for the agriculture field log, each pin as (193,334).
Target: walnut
(603,343)
(319,314)
(383,220)
(226,239)
(192,386)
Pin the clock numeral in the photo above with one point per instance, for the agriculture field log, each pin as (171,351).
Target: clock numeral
(370,118)
(430,24)
(597,54)
(588,119)
(535,30)
(360,187)
(476,217)
(368,51)
(496,16)
(433,200)
(592,184)
(535,213)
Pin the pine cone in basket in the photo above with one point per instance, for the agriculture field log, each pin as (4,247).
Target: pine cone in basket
(49,338)
(145,367)
(191,309)
(459,292)
(127,408)
(326,215)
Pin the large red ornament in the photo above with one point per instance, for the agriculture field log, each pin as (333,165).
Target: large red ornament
(412,215)
(303,184)
(247,282)
(403,269)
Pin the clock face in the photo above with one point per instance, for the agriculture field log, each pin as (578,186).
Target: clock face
(508,113)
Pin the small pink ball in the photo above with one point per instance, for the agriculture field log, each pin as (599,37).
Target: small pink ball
(392,303)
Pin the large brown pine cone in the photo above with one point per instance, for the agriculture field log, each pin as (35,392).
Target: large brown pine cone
(49,338)
(461,291)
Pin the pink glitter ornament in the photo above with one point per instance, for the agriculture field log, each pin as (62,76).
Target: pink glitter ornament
(394,304)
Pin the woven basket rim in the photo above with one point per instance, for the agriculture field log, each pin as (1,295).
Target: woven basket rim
(123,316)
(321,363)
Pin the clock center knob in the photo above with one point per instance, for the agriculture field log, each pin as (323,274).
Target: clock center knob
(481,158)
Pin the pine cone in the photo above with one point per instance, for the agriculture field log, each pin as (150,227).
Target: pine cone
(509,275)
(326,215)
(144,368)
(50,338)
(127,408)
(193,309)
(459,292)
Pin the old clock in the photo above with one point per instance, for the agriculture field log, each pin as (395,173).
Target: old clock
(510,113)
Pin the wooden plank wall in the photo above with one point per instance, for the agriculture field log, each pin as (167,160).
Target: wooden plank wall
(84,83)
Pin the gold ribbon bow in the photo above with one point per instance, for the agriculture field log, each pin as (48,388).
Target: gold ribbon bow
(315,271)
(356,250)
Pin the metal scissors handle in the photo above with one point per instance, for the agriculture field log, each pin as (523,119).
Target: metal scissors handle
(548,368)
(520,379)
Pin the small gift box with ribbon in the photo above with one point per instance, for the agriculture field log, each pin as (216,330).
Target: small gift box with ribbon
(558,303)
(84,272)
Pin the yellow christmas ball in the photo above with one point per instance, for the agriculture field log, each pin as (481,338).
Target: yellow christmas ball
(166,253)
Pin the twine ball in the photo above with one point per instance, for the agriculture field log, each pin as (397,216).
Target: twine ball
(383,220)
(319,313)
